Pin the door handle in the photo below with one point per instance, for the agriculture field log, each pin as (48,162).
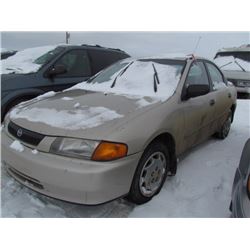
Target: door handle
(212,102)
(229,95)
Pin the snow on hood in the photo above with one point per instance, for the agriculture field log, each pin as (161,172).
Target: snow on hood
(138,80)
(86,117)
(23,61)
(232,63)
(68,113)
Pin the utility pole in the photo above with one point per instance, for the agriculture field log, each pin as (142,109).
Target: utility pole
(67,37)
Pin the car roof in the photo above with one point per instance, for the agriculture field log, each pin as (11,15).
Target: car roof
(242,48)
(166,57)
(88,46)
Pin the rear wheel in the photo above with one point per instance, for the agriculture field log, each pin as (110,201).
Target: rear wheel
(150,174)
(224,131)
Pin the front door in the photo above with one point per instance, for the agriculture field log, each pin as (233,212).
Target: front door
(78,69)
(198,111)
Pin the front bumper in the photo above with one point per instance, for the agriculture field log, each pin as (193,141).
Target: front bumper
(245,90)
(74,180)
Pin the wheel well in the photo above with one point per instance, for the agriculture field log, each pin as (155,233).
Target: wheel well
(15,101)
(233,108)
(168,140)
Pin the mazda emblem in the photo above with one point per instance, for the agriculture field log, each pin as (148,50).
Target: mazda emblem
(19,132)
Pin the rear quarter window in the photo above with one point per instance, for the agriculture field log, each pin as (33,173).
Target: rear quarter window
(216,77)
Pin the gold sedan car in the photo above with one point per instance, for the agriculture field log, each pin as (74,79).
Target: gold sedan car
(120,133)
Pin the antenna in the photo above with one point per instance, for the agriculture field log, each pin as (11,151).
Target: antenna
(197,44)
(67,37)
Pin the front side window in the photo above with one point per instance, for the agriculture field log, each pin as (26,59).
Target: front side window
(76,63)
(197,75)
(216,77)
(47,57)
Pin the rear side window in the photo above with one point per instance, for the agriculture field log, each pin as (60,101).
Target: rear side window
(216,76)
(197,75)
(101,59)
(76,63)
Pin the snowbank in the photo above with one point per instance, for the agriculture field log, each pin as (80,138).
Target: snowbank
(231,63)
(23,61)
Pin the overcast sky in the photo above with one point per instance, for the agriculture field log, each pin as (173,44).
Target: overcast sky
(134,43)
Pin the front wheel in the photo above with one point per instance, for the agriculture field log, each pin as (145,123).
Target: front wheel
(150,174)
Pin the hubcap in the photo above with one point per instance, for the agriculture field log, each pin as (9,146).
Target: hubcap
(152,174)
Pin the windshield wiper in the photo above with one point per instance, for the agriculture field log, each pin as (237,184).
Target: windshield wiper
(93,77)
(239,65)
(156,78)
(120,74)
(225,65)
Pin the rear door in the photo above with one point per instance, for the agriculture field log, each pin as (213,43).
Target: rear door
(78,67)
(223,96)
(198,111)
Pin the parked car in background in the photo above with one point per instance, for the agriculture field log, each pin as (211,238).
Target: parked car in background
(34,71)
(240,205)
(235,64)
(118,134)
(7,53)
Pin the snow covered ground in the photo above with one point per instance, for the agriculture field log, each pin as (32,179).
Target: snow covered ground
(201,188)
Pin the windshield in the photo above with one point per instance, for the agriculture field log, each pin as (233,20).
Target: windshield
(138,77)
(245,56)
(29,60)
(44,59)
(236,61)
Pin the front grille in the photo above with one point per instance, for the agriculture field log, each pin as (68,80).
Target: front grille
(25,135)
(25,178)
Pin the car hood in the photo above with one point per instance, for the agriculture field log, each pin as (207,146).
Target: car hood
(80,113)
(237,75)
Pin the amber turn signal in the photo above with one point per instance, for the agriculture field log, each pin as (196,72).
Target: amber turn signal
(108,151)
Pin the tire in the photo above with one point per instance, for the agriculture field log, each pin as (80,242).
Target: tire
(224,131)
(150,174)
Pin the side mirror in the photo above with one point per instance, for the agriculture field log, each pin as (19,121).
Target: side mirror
(197,90)
(57,70)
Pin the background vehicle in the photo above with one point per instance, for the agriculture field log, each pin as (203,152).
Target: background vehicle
(119,133)
(235,63)
(7,53)
(240,205)
(35,71)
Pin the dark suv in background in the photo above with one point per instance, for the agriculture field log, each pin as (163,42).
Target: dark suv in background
(57,69)
(7,53)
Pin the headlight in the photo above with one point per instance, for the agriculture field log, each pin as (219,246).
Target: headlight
(74,147)
(89,149)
